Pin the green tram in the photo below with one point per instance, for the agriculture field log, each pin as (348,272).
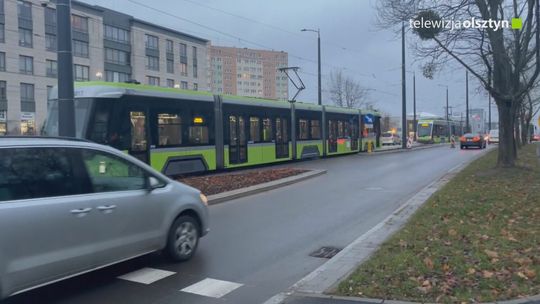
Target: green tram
(179,131)
(436,131)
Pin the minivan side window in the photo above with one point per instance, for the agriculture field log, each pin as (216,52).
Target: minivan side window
(38,172)
(108,172)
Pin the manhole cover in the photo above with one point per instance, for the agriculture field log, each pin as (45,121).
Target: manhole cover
(325,252)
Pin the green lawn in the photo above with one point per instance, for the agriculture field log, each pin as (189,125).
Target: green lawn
(477,239)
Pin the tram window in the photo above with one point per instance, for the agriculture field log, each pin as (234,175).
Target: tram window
(347,129)
(169,129)
(340,128)
(99,130)
(198,135)
(254,129)
(315,129)
(138,131)
(304,129)
(267,129)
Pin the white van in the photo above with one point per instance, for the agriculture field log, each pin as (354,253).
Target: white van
(493,136)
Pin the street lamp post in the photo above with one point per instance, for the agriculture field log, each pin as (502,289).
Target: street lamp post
(415,124)
(467,101)
(318,31)
(446,112)
(66,107)
(404,134)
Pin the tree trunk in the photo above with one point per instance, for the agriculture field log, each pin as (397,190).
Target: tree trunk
(507,148)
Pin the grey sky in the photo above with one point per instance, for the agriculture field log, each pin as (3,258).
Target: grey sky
(349,38)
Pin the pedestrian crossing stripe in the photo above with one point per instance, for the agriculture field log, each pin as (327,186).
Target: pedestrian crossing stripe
(212,288)
(146,275)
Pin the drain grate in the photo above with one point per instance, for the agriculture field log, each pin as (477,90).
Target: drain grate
(325,252)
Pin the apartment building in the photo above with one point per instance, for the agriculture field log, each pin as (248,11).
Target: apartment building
(248,72)
(107,45)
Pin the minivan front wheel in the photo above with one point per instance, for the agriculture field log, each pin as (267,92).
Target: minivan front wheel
(183,238)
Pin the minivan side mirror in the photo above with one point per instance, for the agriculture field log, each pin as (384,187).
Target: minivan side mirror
(153,183)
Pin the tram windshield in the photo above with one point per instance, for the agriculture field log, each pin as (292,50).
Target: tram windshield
(82,110)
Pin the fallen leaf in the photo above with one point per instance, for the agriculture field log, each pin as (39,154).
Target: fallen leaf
(493,261)
(452,232)
(402,243)
(522,275)
(471,271)
(429,263)
(446,267)
(529,273)
(523,261)
(492,254)
(487,274)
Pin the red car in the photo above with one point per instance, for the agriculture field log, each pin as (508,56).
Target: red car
(471,140)
(536,137)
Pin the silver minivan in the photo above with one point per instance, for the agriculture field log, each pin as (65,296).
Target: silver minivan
(69,206)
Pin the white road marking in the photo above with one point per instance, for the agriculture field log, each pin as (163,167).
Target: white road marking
(146,275)
(212,288)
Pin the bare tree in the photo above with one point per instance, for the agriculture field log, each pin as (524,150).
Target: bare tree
(498,57)
(346,92)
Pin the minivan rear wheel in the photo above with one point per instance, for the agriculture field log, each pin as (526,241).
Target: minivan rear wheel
(183,238)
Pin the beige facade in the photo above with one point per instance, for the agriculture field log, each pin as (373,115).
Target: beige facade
(248,72)
(28,66)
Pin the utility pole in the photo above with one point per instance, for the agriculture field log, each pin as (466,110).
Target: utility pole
(66,107)
(415,123)
(318,31)
(447,117)
(467,101)
(403,91)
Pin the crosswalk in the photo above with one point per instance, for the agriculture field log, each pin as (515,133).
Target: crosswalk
(207,287)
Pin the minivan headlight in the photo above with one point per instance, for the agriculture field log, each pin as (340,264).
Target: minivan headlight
(204,199)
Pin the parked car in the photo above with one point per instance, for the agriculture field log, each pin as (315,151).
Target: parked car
(70,206)
(472,140)
(390,138)
(536,137)
(493,136)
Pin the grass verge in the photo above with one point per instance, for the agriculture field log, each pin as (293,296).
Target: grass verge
(477,239)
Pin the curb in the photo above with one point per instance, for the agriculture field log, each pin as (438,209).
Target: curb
(327,276)
(233,194)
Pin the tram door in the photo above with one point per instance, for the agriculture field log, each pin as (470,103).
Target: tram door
(332,136)
(139,136)
(237,140)
(354,135)
(282,138)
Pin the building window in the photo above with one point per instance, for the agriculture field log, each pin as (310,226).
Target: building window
(195,62)
(152,80)
(152,42)
(50,42)
(183,85)
(152,63)
(112,76)
(170,66)
(24,10)
(80,48)
(50,20)
(116,34)
(81,72)
(183,69)
(27,92)
(3,86)
(26,64)
(195,87)
(183,52)
(116,56)
(25,37)
(2,33)
(170,83)
(49,89)
(2,61)
(52,68)
(170,46)
(79,23)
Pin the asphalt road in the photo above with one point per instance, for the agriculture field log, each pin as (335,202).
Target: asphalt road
(263,241)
